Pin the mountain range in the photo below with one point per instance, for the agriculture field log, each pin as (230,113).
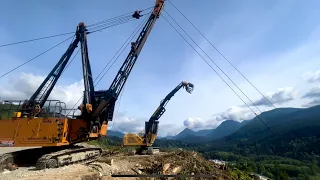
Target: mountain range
(280,120)
(115,133)
(225,128)
(277,121)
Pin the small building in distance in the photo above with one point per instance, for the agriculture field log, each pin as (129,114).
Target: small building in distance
(219,164)
(258,176)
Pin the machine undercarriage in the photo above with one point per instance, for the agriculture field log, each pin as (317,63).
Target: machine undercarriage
(145,150)
(50,157)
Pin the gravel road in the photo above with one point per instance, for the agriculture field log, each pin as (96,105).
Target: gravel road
(72,172)
(12,149)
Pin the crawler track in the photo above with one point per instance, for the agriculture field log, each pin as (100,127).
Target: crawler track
(5,159)
(79,155)
(50,157)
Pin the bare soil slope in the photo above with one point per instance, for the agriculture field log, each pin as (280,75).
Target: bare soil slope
(178,162)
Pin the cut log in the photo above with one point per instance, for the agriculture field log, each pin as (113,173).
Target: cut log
(165,168)
(176,170)
(137,171)
(107,160)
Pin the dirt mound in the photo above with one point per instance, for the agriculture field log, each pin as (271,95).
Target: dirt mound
(176,163)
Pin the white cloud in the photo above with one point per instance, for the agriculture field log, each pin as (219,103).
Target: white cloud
(236,113)
(312,103)
(198,123)
(312,77)
(313,93)
(123,123)
(169,129)
(281,96)
(23,86)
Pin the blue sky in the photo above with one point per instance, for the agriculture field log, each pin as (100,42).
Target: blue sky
(274,43)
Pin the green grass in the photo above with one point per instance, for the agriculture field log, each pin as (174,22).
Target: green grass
(237,174)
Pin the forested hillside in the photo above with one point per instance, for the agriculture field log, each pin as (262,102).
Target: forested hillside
(7,109)
(290,148)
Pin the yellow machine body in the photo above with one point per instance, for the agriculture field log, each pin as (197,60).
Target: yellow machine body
(133,139)
(18,132)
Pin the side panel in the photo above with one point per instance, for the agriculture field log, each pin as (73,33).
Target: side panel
(77,130)
(132,140)
(8,129)
(33,132)
(42,132)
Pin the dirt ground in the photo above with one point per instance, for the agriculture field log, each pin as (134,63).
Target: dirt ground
(12,149)
(178,162)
